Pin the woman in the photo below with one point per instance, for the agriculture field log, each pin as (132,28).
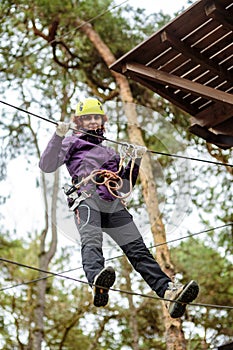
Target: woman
(99,180)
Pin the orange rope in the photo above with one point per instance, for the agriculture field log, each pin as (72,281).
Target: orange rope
(111,179)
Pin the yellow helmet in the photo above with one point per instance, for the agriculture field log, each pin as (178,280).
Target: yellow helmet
(89,106)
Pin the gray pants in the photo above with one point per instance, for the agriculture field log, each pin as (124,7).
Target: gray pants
(95,216)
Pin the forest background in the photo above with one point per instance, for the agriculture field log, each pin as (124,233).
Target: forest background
(53,52)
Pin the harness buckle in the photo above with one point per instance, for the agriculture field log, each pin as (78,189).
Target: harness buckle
(73,197)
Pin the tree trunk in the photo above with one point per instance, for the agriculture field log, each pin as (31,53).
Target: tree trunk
(126,268)
(44,260)
(47,249)
(174,335)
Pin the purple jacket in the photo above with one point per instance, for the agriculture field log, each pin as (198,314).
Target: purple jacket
(83,154)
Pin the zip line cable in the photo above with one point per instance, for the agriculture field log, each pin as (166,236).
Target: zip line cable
(118,256)
(112,289)
(117,142)
(89,20)
(120,143)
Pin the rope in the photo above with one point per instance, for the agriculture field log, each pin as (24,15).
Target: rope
(122,255)
(111,180)
(120,143)
(112,289)
(123,144)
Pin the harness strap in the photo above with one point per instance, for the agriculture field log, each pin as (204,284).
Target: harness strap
(111,179)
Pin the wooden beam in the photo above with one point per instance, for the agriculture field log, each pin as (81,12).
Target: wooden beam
(165,78)
(164,92)
(195,55)
(217,12)
(209,117)
(221,140)
(225,127)
(213,115)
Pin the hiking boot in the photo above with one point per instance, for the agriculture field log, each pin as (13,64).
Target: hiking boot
(182,294)
(102,282)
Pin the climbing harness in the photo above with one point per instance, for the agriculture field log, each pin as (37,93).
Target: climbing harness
(74,198)
(110,179)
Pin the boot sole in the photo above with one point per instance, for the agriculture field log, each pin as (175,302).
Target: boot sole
(188,294)
(106,280)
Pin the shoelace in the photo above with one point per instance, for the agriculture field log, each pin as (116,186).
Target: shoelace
(174,285)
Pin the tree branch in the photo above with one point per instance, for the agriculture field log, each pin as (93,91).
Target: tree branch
(64,64)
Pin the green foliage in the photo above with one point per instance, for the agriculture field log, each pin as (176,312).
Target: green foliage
(149,324)
(196,260)
(17,250)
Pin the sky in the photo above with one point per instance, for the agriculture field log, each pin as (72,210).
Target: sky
(166,6)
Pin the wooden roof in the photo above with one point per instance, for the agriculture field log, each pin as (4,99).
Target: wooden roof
(190,63)
(228,346)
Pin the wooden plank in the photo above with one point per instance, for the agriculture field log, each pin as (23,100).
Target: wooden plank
(161,59)
(193,18)
(174,57)
(220,113)
(225,56)
(211,117)
(179,65)
(183,25)
(221,140)
(213,46)
(200,32)
(214,115)
(226,127)
(195,55)
(189,98)
(220,14)
(193,38)
(177,82)
(175,64)
(149,48)
(216,37)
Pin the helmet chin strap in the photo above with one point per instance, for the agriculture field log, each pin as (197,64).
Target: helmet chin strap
(93,136)
(97,131)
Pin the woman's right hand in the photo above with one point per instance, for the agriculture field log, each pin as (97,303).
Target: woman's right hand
(62,128)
